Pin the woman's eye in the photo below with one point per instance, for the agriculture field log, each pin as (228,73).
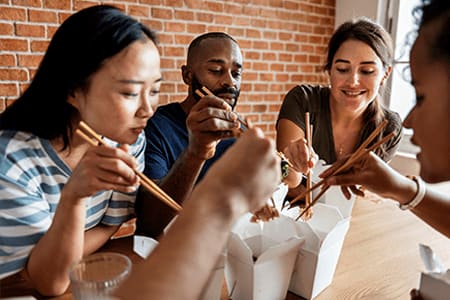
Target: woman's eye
(127,94)
(154,92)
(367,72)
(341,70)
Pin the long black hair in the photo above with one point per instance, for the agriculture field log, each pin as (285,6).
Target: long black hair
(77,50)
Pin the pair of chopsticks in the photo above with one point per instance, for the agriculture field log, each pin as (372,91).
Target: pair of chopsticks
(355,156)
(88,134)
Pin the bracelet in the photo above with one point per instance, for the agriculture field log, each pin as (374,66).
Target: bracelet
(420,194)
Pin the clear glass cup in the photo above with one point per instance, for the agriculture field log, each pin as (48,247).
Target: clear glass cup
(98,275)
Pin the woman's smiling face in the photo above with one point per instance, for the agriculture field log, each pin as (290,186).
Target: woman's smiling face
(356,75)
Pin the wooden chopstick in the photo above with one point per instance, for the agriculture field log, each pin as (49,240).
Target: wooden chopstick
(308,197)
(88,133)
(352,158)
(373,147)
(205,91)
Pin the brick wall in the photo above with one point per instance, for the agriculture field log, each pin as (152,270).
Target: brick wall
(283,43)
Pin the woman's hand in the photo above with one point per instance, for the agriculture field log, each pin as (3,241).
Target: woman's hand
(369,171)
(302,160)
(103,168)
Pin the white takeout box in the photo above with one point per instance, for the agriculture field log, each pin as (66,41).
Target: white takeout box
(435,281)
(435,286)
(143,246)
(317,259)
(274,245)
(324,236)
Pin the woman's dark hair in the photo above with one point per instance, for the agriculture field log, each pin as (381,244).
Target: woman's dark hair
(77,50)
(437,10)
(376,37)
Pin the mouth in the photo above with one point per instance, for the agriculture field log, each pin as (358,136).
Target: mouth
(138,129)
(352,93)
(229,98)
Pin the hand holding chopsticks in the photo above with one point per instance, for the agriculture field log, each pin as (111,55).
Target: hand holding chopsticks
(341,167)
(89,135)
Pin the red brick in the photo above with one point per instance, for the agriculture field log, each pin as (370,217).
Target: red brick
(57,4)
(162,13)
(184,15)
(6,29)
(13,74)
(29,60)
(138,11)
(42,16)
(39,46)
(27,3)
(9,89)
(13,45)
(13,14)
(7,60)
(30,30)
(175,27)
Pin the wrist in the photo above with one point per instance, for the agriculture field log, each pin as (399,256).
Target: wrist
(420,191)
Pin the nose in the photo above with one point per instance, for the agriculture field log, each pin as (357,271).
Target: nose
(145,109)
(228,80)
(353,78)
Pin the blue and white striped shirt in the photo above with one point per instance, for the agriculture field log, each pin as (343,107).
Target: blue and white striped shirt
(31,178)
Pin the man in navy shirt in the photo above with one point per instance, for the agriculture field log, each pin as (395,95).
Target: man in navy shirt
(185,138)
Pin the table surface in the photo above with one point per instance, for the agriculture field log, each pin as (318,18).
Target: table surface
(379,259)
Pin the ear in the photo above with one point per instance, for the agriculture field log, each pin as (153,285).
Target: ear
(186,73)
(72,98)
(386,74)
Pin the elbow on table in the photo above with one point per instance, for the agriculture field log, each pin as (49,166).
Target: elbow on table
(51,288)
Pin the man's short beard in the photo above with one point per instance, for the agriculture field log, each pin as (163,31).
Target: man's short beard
(196,85)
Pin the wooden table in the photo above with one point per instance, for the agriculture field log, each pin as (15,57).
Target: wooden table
(379,259)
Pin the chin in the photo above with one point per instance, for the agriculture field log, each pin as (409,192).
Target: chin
(433,175)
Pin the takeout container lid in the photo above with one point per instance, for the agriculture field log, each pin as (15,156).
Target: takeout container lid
(275,246)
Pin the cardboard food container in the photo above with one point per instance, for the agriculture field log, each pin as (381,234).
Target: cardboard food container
(317,259)
(435,281)
(324,236)
(260,258)
(143,246)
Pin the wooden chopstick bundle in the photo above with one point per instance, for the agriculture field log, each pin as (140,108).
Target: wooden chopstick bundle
(359,153)
(88,134)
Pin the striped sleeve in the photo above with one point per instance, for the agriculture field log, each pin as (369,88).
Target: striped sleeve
(121,205)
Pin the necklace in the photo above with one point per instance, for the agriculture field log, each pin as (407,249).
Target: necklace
(341,150)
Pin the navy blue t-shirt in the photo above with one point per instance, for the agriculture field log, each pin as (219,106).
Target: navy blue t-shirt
(167,137)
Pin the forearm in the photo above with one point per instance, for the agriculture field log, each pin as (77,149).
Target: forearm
(96,237)
(154,215)
(202,231)
(57,250)
(434,209)
(181,179)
